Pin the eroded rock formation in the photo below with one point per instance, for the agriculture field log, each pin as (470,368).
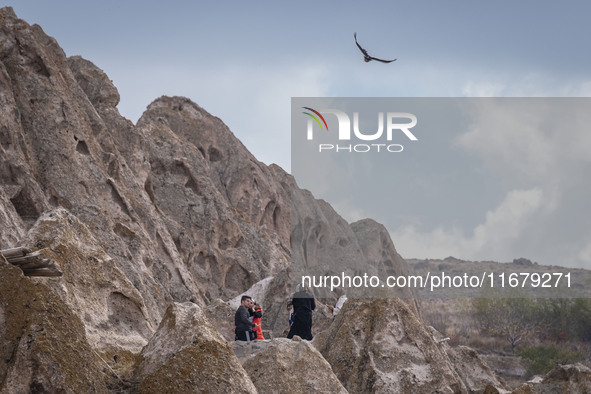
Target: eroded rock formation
(156,228)
(187,354)
(381,346)
(44,346)
(287,366)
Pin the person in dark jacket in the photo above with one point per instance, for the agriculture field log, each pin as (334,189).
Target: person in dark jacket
(303,304)
(243,324)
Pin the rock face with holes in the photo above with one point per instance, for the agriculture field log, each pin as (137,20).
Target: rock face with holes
(177,204)
(112,309)
(171,211)
(160,203)
(228,228)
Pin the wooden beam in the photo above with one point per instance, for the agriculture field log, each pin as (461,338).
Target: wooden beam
(24,259)
(42,272)
(32,264)
(45,263)
(14,252)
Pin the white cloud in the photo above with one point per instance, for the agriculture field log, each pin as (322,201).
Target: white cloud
(350,210)
(533,143)
(411,242)
(505,224)
(493,239)
(512,137)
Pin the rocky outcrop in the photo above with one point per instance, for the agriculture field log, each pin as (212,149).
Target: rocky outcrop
(287,366)
(572,379)
(44,347)
(188,355)
(244,182)
(225,250)
(92,286)
(381,346)
(378,249)
(381,258)
(473,370)
(221,315)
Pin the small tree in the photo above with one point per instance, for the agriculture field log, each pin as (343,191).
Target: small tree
(513,318)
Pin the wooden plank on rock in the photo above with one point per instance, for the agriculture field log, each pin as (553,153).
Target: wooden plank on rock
(14,252)
(24,259)
(42,272)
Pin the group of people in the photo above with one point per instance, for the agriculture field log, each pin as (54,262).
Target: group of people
(248,317)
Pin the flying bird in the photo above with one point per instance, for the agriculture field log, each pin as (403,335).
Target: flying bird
(366,56)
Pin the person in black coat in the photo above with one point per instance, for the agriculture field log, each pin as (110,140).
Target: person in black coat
(303,304)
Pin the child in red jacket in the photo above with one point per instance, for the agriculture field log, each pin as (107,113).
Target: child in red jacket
(256,319)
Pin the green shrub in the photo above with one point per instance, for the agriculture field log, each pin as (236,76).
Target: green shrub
(544,358)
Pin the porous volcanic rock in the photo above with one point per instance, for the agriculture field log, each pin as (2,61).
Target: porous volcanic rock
(380,345)
(179,205)
(287,366)
(246,183)
(378,248)
(221,315)
(59,152)
(188,355)
(44,347)
(92,286)
(473,371)
(225,247)
(147,194)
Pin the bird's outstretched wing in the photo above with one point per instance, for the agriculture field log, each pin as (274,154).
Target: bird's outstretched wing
(366,55)
(359,46)
(382,60)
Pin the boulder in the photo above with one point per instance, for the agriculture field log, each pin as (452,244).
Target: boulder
(44,347)
(287,366)
(187,354)
(380,345)
(221,314)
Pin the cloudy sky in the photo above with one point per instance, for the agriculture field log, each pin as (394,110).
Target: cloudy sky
(243,61)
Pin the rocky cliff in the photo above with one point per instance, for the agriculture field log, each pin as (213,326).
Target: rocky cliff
(157,228)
